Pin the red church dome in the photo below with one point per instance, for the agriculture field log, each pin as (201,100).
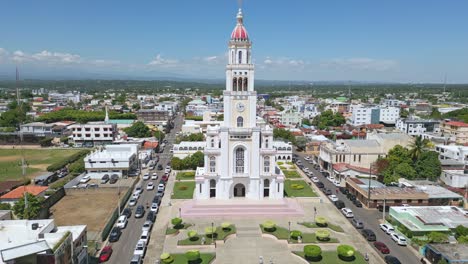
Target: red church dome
(239,32)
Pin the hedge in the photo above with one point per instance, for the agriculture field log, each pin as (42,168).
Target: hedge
(321,221)
(322,234)
(346,251)
(269,226)
(312,251)
(295,234)
(166,258)
(192,234)
(64,162)
(192,255)
(176,222)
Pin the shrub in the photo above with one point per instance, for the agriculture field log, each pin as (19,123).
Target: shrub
(210,230)
(226,225)
(280,163)
(312,251)
(192,255)
(269,226)
(282,168)
(289,163)
(297,186)
(63,162)
(5,206)
(345,252)
(295,234)
(182,187)
(49,192)
(192,234)
(176,222)
(322,234)
(321,221)
(166,258)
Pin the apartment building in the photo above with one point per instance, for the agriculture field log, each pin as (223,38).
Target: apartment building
(93,134)
(417,127)
(112,159)
(458,131)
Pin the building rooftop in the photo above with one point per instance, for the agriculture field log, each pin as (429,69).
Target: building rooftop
(122,151)
(19,192)
(452,251)
(456,123)
(437,192)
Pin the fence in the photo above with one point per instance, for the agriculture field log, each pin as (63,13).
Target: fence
(110,223)
(49,202)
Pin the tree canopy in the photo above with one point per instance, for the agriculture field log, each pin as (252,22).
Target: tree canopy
(33,208)
(81,116)
(328,118)
(286,135)
(138,130)
(188,163)
(191,137)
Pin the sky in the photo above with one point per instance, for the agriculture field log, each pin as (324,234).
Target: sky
(333,40)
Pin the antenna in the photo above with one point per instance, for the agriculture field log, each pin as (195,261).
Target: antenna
(17,86)
(23,163)
(445,81)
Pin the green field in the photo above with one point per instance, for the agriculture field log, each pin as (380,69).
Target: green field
(290,191)
(332,257)
(37,161)
(183,190)
(185,175)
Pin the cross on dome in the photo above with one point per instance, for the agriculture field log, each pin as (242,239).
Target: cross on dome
(240,33)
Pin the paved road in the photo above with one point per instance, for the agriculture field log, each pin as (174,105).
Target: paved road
(123,249)
(370,218)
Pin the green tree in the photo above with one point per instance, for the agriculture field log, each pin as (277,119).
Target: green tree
(138,130)
(404,113)
(306,122)
(428,165)
(437,237)
(32,210)
(159,135)
(328,118)
(286,135)
(461,230)
(136,106)
(404,170)
(301,143)
(417,147)
(46,142)
(5,206)
(435,113)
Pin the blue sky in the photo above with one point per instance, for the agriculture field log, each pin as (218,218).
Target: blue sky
(362,40)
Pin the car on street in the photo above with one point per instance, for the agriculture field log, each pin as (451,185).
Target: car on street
(333,198)
(340,204)
(146,176)
(331,178)
(85,179)
(160,193)
(315,179)
(105,179)
(157,199)
(145,235)
(154,176)
(327,191)
(105,254)
(159,167)
(161,187)
(389,259)
(380,246)
(147,225)
(114,178)
(138,189)
(122,221)
(347,212)
(389,229)
(368,234)
(358,224)
(400,240)
(307,158)
(136,259)
(127,212)
(132,202)
(140,211)
(320,185)
(140,248)
(357,203)
(115,234)
(136,195)
(151,216)
(342,190)
(165,177)
(150,186)
(154,207)
(337,183)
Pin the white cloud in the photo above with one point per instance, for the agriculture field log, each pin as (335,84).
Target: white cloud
(54,57)
(211,58)
(19,56)
(3,54)
(361,64)
(159,60)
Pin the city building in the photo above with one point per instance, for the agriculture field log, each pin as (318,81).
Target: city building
(41,129)
(154,116)
(389,115)
(64,98)
(187,148)
(112,160)
(417,127)
(41,241)
(451,253)
(458,131)
(93,134)
(14,195)
(362,115)
(239,154)
(283,150)
(290,118)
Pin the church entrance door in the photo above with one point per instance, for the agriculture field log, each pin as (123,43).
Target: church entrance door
(239,190)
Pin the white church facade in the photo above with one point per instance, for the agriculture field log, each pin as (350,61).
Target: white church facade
(239,154)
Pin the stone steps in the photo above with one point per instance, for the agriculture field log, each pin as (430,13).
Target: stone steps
(248,231)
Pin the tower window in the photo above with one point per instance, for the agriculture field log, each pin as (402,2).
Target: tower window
(234,84)
(240,56)
(266,164)
(212,143)
(245,85)
(240,121)
(239,160)
(212,164)
(232,57)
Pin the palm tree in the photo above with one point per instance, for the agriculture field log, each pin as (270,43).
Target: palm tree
(417,147)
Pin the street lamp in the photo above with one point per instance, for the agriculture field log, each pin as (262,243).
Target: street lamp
(289,230)
(212,233)
(180,212)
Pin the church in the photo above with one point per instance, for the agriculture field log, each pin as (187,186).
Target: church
(239,154)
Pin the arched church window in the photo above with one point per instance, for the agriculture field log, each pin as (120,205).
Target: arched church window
(212,143)
(245,85)
(266,143)
(266,188)
(240,121)
(266,164)
(212,188)
(239,160)
(212,164)
(234,84)
(232,57)
(240,56)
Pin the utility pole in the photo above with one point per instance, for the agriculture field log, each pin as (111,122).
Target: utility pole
(383,211)
(369,187)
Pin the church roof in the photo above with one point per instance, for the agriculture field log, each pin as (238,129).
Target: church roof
(240,33)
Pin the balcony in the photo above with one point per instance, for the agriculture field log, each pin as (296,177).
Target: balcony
(267,151)
(240,175)
(240,131)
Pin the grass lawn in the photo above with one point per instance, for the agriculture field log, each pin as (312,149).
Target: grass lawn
(292,192)
(219,235)
(172,230)
(183,190)
(332,257)
(36,159)
(283,233)
(291,174)
(314,225)
(185,175)
(205,258)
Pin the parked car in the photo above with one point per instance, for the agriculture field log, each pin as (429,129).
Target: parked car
(150,186)
(358,224)
(387,228)
(145,235)
(146,176)
(122,221)
(147,225)
(347,212)
(328,192)
(140,211)
(132,202)
(320,185)
(154,207)
(136,259)
(368,234)
(138,189)
(114,178)
(357,203)
(105,179)
(85,179)
(154,176)
(105,254)
(381,208)
(164,178)
(333,198)
(400,240)
(342,190)
(159,167)
(115,234)
(339,204)
(315,179)
(140,248)
(391,260)
(151,216)
(136,195)
(127,212)
(157,199)
(381,247)
(161,187)
(160,193)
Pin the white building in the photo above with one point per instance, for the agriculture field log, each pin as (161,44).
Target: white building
(112,159)
(416,127)
(93,134)
(41,241)
(187,148)
(283,150)
(364,115)
(389,115)
(392,102)
(290,117)
(65,97)
(458,153)
(239,154)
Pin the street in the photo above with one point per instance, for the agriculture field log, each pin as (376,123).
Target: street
(123,249)
(370,218)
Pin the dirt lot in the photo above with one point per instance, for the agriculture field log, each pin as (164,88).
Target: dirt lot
(86,207)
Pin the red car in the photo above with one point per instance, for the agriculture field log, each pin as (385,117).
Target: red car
(381,247)
(165,177)
(106,252)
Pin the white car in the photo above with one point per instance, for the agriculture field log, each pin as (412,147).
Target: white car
(336,183)
(387,228)
(400,240)
(140,248)
(154,176)
(147,226)
(154,207)
(85,179)
(136,195)
(333,198)
(331,178)
(347,212)
(167,170)
(315,179)
(132,202)
(145,235)
(122,222)
(307,158)
(150,186)
(146,176)
(161,187)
